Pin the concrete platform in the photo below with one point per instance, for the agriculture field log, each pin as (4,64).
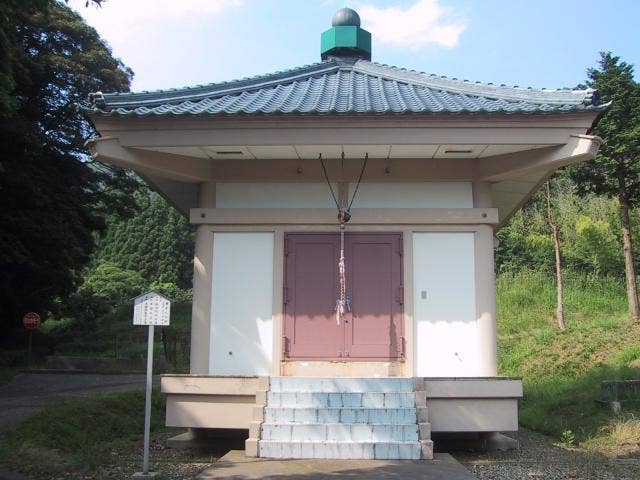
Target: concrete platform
(235,465)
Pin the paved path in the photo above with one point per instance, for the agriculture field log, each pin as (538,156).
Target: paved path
(235,465)
(28,393)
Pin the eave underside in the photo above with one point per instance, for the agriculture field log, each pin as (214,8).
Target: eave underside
(514,154)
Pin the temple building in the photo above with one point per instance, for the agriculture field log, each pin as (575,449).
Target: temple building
(343,292)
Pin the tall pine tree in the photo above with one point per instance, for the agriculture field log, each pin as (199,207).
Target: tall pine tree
(615,172)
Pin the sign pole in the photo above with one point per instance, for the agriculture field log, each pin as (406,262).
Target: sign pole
(147,403)
(29,346)
(31,322)
(149,309)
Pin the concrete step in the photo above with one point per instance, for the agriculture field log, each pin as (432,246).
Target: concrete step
(341,418)
(342,432)
(338,400)
(310,415)
(340,385)
(340,450)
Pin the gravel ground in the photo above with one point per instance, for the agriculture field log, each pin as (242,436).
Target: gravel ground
(538,458)
(171,463)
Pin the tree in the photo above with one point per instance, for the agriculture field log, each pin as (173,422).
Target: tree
(114,284)
(556,247)
(615,172)
(53,197)
(157,242)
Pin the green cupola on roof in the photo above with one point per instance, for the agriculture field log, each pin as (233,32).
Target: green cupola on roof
(345,38)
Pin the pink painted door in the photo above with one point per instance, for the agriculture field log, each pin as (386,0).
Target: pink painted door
(373,327)
(310,292)
(374,283)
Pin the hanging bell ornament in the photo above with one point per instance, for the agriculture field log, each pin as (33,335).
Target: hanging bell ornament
(344,216)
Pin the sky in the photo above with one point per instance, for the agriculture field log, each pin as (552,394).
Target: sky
(542,43)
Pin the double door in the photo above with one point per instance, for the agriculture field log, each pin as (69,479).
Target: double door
(372,326)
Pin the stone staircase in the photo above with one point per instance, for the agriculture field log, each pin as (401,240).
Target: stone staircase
(341,418)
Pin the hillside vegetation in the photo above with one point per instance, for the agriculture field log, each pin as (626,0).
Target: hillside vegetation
(562,370)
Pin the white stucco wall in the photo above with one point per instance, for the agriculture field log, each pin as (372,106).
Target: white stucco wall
(413,195)
(274,195)
(241,304)
(447,337)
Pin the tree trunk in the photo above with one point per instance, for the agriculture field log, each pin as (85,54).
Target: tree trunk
(627,245)
(556,245)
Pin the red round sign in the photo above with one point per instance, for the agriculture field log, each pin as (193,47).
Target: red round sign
(31,321)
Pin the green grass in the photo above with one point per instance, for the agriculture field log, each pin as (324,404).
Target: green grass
(562,370)
(79,434)
(629,356)
(7,374)
(11,362)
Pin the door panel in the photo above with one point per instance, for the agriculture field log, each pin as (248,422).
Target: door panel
(374,266)
(444,305)
(373,327)
(310,279)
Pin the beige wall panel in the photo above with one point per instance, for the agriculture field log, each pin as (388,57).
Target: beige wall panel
(344,369)
(207,385)
(278,307)
(309,170)
(359,216)
(473,388)
(274,195)
(414,195)
(200,411)
(482,195)
(409,323)
(343,135)
(473,415)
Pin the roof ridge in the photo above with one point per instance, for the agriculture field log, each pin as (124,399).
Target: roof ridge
(466,87)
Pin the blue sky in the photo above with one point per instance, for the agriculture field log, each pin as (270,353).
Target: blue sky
(543,43)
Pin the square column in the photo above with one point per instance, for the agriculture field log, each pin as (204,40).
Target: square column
(202,281)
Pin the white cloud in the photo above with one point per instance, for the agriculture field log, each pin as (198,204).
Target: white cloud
(120,20)
(423,23)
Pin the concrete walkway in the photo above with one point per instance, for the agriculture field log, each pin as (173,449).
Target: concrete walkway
(28,393)
(235,465)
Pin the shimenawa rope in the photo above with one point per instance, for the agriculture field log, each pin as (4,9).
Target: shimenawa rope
(343,303)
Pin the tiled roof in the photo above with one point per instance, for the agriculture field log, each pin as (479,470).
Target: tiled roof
(343,86)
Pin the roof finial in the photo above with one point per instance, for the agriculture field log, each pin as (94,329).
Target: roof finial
(346,39)
(345,17)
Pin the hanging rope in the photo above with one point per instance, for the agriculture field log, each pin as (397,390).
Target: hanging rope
(326,177)
(342,301)
(344,215)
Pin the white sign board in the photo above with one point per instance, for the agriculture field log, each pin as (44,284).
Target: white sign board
(151,309)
